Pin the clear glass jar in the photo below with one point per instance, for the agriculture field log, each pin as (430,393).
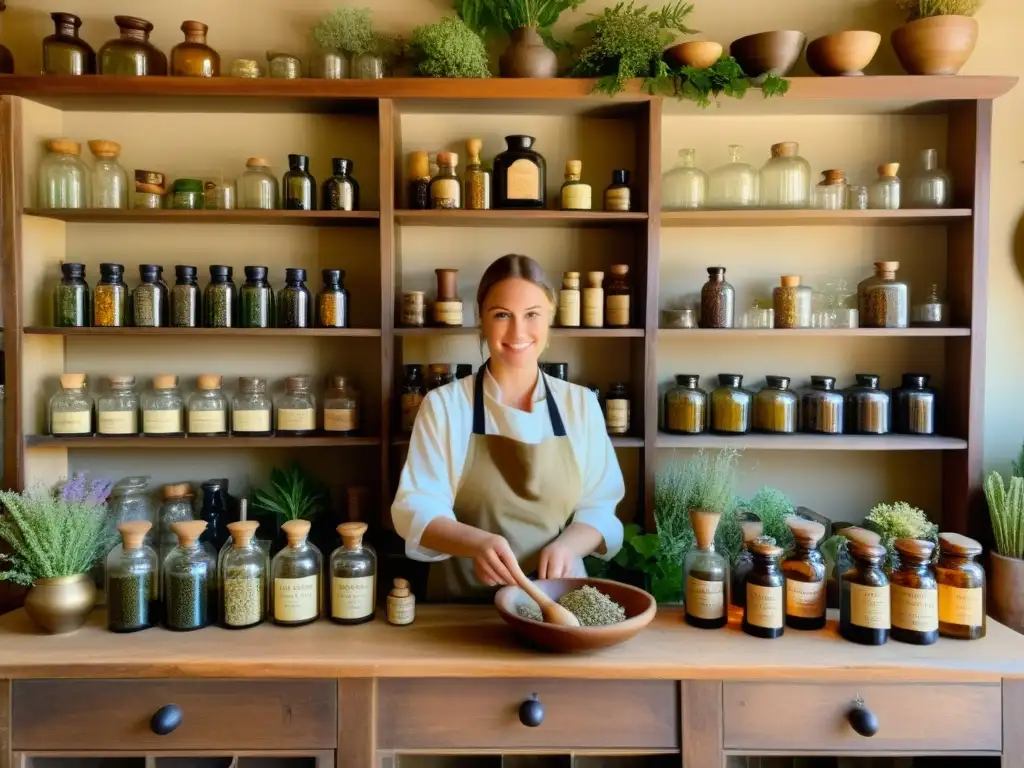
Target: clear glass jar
(883,300)
(776,407)
(332,300)
(765,587)
(64,52)
(190,575)
(294,303)
(71,408)
(219,193)
(341,191)
(367,66)
(792,303)
(931,311)
(830,194)
(296,408)
(445,188)
(194,58)
(242,570)
(717,301)
(299,185)
(930,186)
(733,185)
(684,187)
(884,192)
(257,187)
(296,572)
(117,411)
(131,501)
(109,180)
(864,611)
(730,406)
(162,408)
(705,575)
(856,198)
(914,594)
(821,409)
(63,177)
(132,580)
(187,195)
(867,407)
(341,407)
(785,180)
(176,508)
(256,300)
(353,577)
(251,408)
(961,583)
(186,301)
(220,298)
(71,303)
(208,408)
(805,573)
(149,298)
(413,392)
(686,406)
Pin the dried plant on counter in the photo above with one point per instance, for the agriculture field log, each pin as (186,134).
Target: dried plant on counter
(924,9)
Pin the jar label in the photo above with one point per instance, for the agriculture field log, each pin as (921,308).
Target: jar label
(207,422)
(255,420)
(915,609)
(341,419)
(448,313)
(118,422)
(617,311)
(960,606)
(616,199)
(705,599)
(616,415)
(352,598)
(296,419)
(401,610)
(593,307)
(296,599)
(522,180)
(410,407)
(869,606)
(805,599)
(71,422)
(576,197)
(569,309)
(764,606)
(445,193)
(161,422)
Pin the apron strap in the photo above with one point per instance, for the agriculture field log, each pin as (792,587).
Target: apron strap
(479,423)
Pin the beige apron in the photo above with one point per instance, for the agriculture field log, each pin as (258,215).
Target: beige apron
(526,492)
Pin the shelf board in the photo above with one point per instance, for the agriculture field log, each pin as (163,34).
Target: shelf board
(46,441)
(617,442)
(527,218)
(571,333)
(677,334)
(232,333)
(802,442)
(801,218)
(250,218)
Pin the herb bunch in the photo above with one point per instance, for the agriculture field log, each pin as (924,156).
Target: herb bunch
(924,9)
(771,506)
(449,48)
(350,30)
(899,521)
(291,495)
(703,86)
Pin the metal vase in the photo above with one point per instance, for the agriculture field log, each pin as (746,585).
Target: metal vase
(61,604)
(330,66)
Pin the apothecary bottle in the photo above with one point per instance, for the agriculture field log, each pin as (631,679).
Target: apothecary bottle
(752,529)
(930,311)
(730,406)
(149,298)
(439,374)
(616,297)
(593,301)
(71,300)
(448,305)
(445,188)
(294,302)
(413,392)
(342,406)
(220,298)
(341,191)
(792,303)
(867,407)
(830,193)
(190,575)
(914,594)
(208,408)
(476,180)
(132,580)
(214,512)
(251,408)
(353,577)
(109,183)
(569,301)
(131,53)
(617,195)
(257,186)
(913,406)
(686,406)
(864,609)
(419,181)
(574,194)
(616,409)
(117,410)
(764,611)
(884,192)
(296,408)
(162,408)
(785,180)
(185,298)
(733,185)
(821,408)
(71,407)
(520,175)
(705,575)
(194,58)
(929,186)
(776,407)
(110,299)
(805,574)
(961,588)
(242,570)
(176,508)
(717,301)
(684,187)
(401,604)
(332,300)
(296,572)
(298,185)
(256,300)
(63,177)
(64,52)
(884,300)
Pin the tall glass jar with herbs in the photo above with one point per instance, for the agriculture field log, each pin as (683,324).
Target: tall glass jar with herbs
(476,180)
(296,408)
(294,304)
(961,583)
(71,408)
(190,572)
(149,298)
(251,408)
(220,298)
(63,177)
(256,300)
(413,392)
(883,299)
(341,406)
(110,299)
(686,406)
(332,300)
(299,186)
(805,572)
(296,572)
(731,406)
(243,568)
(176,507)
(353,577)
(117,410)
(208,408)
(705,575)
(162,408)
(914,594)
(717,301)
(132,580)
(71,304)
(864,610)
(186,300)
(109,186)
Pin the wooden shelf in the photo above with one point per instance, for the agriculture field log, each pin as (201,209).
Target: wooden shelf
(810,218)
(227,333)
(678,334)
(802,442)
(231,441)
(570,333)
(617,442)
(249,218)
(518,219)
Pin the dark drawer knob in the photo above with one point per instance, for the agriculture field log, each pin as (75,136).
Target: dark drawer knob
(166,719)
(531,712)
(862,719)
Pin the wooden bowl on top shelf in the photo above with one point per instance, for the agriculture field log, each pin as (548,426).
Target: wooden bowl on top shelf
(699,54)
(844,53)
(639,605)
(768,53)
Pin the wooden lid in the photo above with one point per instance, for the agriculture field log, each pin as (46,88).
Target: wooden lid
(121,381)
(188,531)
(419,164)
(619,269)
(296,531)
(571,275)
(704,522)
(352,534)
(64,146)
(256,162)
(448,158)
(104,148)
(958,544)
(790,281)
(133,532)
(401,588)
(834,176)
(177,491)
(807,532)
(209,381)
(863,550)
(766,547)
(595,279)
(165,381)
(473,147)
(72,380)
(887,266)
(752,529)
(242,532)
(573,167)
(888,169)
(785,149)
(861,535)
(918,549)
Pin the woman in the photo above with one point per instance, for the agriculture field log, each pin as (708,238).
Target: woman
(510,464)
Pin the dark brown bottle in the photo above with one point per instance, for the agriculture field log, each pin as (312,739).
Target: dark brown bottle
(805,576)
(961,588)
(132,54)
(864,612)
(752,529)
(64,52)
(764,613)
(299,186)
(194,58)
(705,575)
(520,175)
(6,58)
(914,594)
(717,301)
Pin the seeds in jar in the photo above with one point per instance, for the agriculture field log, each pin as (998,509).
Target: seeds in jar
(186,600)
(243,598)
(128,602)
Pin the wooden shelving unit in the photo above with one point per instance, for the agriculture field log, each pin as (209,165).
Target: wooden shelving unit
(193,442)
(210,333)
(247,218)
(810,218)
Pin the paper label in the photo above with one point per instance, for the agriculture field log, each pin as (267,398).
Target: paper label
(118,422)
(161,422)
(616,415)
(296,599)
(805,599)
(576,197)
(764,606)
(207,422)
(617,310)
(296,419)
(593,307)
(914,609)
(869,606)
(410,407)
(448,313)
(445,193)
(569,309)
(523,181)
(251,420)
(71,423)
(705,599)
(964,607)
(352,598)
(616,199)
(401,610)
(341,419)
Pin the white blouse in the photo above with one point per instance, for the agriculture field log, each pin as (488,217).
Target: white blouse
(440,444)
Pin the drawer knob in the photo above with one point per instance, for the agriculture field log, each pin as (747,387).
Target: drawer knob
(862,719)
(531,712)
(166,719)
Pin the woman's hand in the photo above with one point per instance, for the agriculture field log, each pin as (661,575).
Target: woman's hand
(556,561)
(494,561)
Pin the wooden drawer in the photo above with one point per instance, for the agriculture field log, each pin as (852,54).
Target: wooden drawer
(216,714)
(912,717)
(475,714)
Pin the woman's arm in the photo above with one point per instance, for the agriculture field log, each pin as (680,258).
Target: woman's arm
(492,556)
(574,543)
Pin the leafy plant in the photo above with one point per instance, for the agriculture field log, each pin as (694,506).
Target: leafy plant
(350,30)
(1006,510)
(703,86)
(449,48)
(899,521)
(291,495)
(487,17)
(923,9)
(771,506)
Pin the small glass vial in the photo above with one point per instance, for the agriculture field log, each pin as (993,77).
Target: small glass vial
(332,300)
(830,194)
(162,408)
(617,197)
(257,187)
(353,577)
(294,302)
(149,299)
(189,575)
(804,570)
(686,406)
(884,192)
(298,185)
(883,299)
(776,408)
(616,297)
(448,305)
(132,580)
(792,303)
(476,181)
(419,181)
(705,575)
(71,408)
(186,301)
(575,195)
(616,410)
(256,300)
(110,300)
(71,303)
(242,570)
(296,572)
(208,408)
(341,407)
(220,298)
(930,186)
(593,301)
(414,309)
(717,301)
(341,191)
(864,611)
(931,311)
(913,406)
(413,392)
(251,408)
(914,594)
(296,408)
(569,301)
(445,189)
(857,198)
(401,604)
(63,177)
(821,408)
(961,588)
(117,411)
(439,374)
(731,406)
(109,179)
(765,587)
(752,529)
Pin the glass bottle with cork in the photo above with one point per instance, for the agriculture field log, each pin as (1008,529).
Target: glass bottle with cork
(298,185)
(176,508)
(185,298)
(730,406)
(332,300)
(616,297)
(110,300)
(569,301)
(251,408)
(296,571)
(162,408)
(476,181)
(445,189)
(353,577)
(593,301)
(448,305)
(616,410)
(401,604)
(341,407)
(520,175)
(296,408)
(805,572)
(294,303)
(785,179)
(717,301)
(208,408)
(864,608)
(109,183)
(257,186)
(341,191)
(419,181)
(242,569)
(71,408)
(617,196)
(776,408)
(64,180)
(71,304)
(792,303)
(220,298)
(914,594)
(764,612)
(256,300)
(884,192)
(149,298)
(575,195)
(961,584)
(883,299)
(752,529)
(132,580)
(189,572)
(413,392)
(686,406)
(194,58)
(117,411)
(705,575)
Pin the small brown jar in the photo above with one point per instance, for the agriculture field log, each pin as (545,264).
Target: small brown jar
(961,588)
(752,529)
(764,613)
(805,576)
(730,406)
(864,613)
(914,593)
(448,305)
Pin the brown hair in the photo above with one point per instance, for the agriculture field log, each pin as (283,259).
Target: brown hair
(509,266)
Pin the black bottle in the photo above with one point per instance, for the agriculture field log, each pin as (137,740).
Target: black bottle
(341,191)
(294,308)
(299,185)
(215,512)
(462,370)
(913,406)
(520,175)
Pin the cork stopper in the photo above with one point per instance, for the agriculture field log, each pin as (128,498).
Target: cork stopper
(473,147)
(704,522)
(785,149)
(419,165)
(296,531)
(242,532)
(194,28)
(133,532)
(959,545)
(72,380)
(121,382)
(752,530)
(256,162)
(165,381)
(619,270)
(594,279)
(915,549)
(104,148)
(64,146)
(888,169)
(188,531)
(401,588)
(861,535)
(297,383)
(448,158)
(834,176)
(574,167)
(807,532)
(790,281)
(863,550)
(887,268)
(352,534)
(208,381)
(176,491)
(766,547)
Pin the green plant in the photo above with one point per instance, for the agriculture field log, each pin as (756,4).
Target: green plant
(449,48)
(923,9)
(899,521)
(1006,510)
(350,30)
(487,17)
(291,495)
(771,506)
(703,86)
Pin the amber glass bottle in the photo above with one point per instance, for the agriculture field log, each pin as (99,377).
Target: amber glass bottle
(764,613)
(805,576)
(864,602)
(194,58)
(961,588)
(705,575)
(915,595)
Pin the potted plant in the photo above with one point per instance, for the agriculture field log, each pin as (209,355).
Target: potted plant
(449,48)
(899,520)
(291,495)
(939,36)
(349,46)
(1006,571)
(55,538)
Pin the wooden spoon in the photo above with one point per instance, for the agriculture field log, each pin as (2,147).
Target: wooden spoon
(552,612)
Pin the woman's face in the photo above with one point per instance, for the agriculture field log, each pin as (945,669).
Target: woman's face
(515,321)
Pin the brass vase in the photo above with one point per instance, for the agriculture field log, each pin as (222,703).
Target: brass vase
(61,604)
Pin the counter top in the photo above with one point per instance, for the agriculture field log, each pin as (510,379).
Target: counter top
(472,641)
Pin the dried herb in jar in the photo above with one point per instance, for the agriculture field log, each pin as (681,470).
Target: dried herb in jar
(332,301)
(220,298)
(256,300)
(110,300)
(185,298)
(293,301)
(71,298)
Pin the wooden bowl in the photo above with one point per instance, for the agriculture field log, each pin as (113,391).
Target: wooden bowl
(639,605)
(699,54)
(843,54)
(939,45)
(768,53)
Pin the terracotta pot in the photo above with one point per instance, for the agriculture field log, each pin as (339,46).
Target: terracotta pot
(768,53)
(843,54)
(1006,591)
(939,45)
(699,54)
(61,604)
(528,56)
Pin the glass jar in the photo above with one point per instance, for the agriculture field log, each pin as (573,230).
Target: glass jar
(332,300)
(341,407)
(296,408)
(414,309)
(930,186)
(686,406)
(730,406)
(913,406)
(805,572)
(717,301)
(71,298)
(296,571)
(830,194)
(785,180)
(149,298)
(71,408)
(353,577)
(447,305)
(821,408)
(476,180)
(445,189)
(864,611)
(884,192)
(776,407)
(961,588)
(914,594)
(189,572)
(617,195)
(194,58)
(294,304)
(208,408)
(63,177)
(131,53)
(616,410)
(867,407)
(574,194)
(214,512)
(569,301)
(117,411)
(256,300)
(150,188)
(593,301)
(857,198)
(684,187)
(520,175)
(367,66)
(341,191)
(764,611)
(705,575)
(131,501)
(109,181)
(162,408)
(298,185)
(185,299)
(792,303)
(110,300)
(220,298)
(176,508)
(242,570)
(251,408)
(64,52)
(257,187)
(187,195)
(752,529)
(219,193)
(284,66)
(884,301)
(440,374)
(132,580)
(419,181)
(616,297)
(931,311)
(413,392)
(733,185)
(401,604)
